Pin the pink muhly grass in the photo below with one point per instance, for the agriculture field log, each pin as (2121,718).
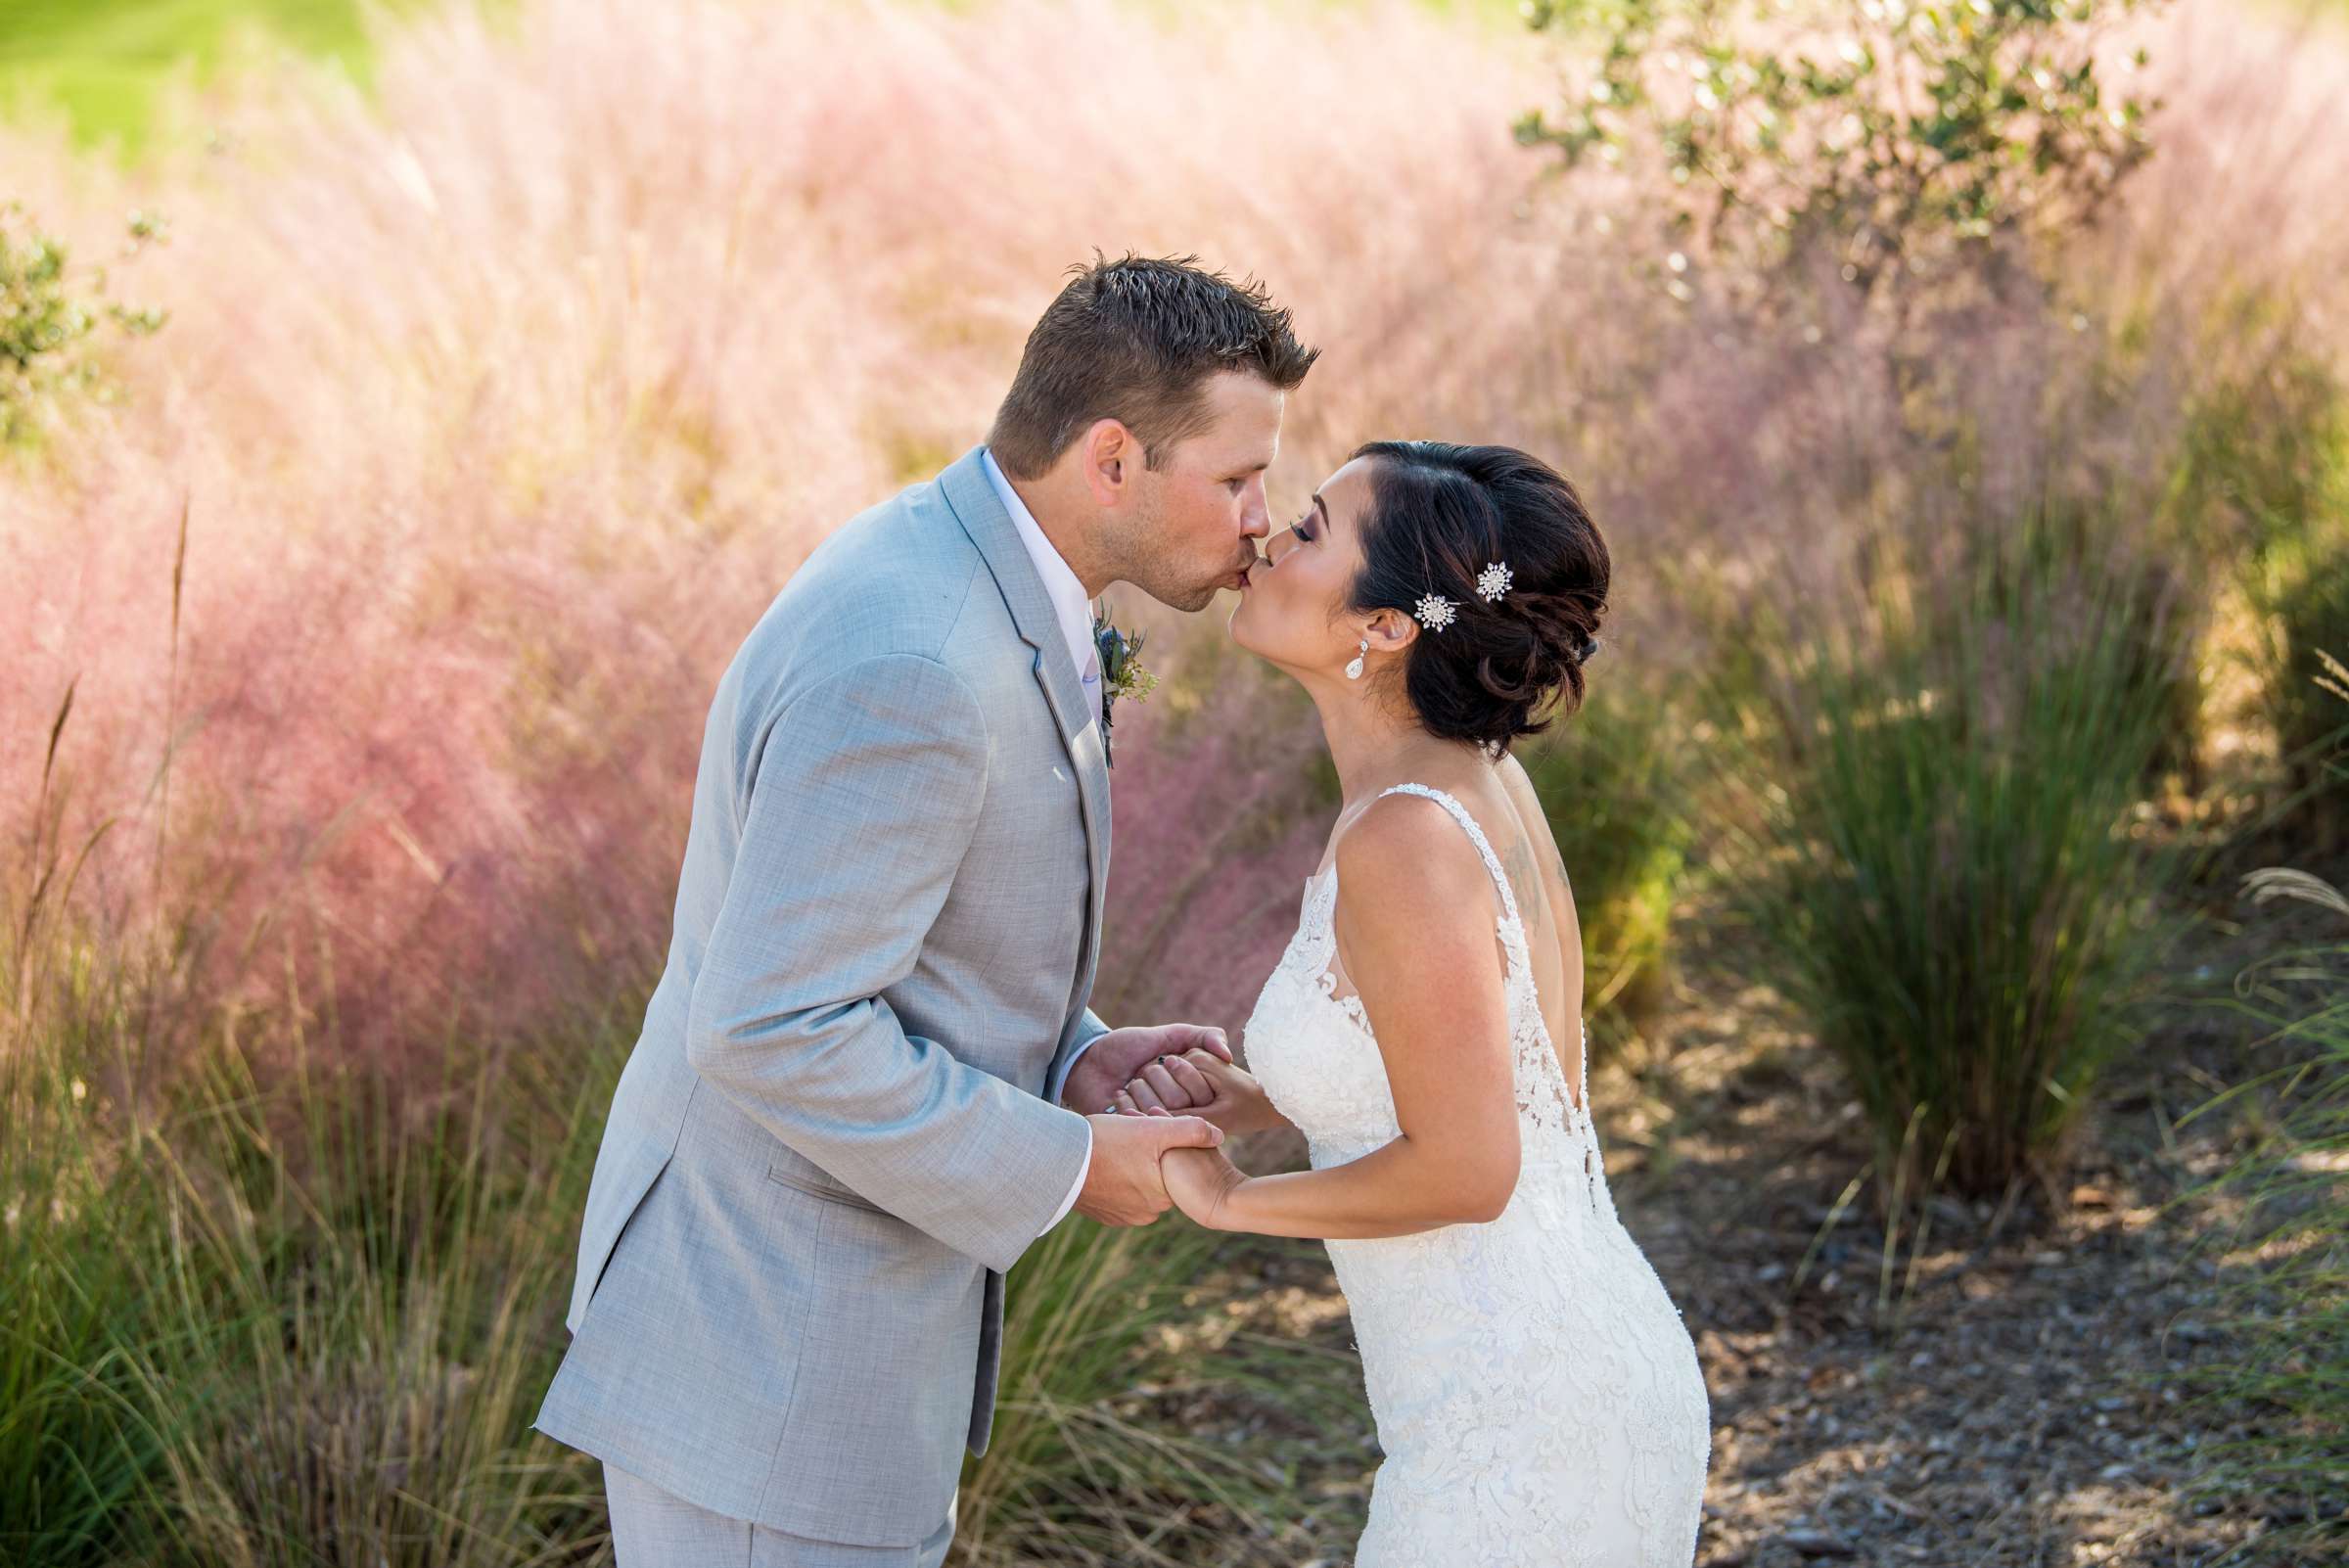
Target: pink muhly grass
(498,406)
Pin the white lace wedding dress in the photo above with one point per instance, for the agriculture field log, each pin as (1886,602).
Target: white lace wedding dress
(1537,1399)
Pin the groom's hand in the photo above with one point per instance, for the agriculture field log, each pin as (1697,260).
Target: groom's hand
(1124,1186)
(1154,1052)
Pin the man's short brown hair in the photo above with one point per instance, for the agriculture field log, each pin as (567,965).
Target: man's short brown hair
(1136,339)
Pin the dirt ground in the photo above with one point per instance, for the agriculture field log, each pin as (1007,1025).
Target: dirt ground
(2013,1410)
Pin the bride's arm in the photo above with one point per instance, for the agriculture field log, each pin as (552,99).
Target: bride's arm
(1415,923)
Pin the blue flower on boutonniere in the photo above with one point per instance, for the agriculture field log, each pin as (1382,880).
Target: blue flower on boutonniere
(1122,675)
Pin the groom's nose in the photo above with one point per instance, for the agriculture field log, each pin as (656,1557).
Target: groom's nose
(1256,513)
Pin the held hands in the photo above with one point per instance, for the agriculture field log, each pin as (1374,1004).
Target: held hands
(1202,1083)
(1122,1053)
(1125,1184)
(1198,1085)
(1170,1091)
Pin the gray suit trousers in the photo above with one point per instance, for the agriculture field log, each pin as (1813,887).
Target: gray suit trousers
(655,1529)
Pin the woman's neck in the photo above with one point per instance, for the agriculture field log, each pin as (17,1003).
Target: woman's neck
(1373,748)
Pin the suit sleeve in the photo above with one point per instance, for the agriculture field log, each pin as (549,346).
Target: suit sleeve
(866,794)
(1090,1029)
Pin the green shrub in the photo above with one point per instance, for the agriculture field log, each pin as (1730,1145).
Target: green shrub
(1903,135)
(1612,791)
(47,315)
(1941,857)
(2261,451)
(2262,477)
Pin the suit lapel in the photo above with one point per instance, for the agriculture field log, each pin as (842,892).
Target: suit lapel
(976,505)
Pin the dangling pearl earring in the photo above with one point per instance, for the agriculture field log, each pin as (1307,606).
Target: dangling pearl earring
(1354,668)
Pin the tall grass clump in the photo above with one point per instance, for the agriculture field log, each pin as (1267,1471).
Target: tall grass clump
(79,1449)
(289,1317)
(2278,1388)
(76,1456)
(1941,858)
(2260,479)
(363,1289)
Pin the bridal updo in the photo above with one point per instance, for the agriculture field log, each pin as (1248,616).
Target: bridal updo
(1438,515)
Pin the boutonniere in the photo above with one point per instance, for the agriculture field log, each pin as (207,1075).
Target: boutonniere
(1121,673)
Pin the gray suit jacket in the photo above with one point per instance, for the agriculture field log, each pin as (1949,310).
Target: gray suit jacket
(838,1128)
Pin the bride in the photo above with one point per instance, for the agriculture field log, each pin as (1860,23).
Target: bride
(1537,1399)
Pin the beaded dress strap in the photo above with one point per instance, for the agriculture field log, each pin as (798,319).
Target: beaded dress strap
(1484,846)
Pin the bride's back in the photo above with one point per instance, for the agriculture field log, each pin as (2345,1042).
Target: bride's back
(1503,801)
(1553,935)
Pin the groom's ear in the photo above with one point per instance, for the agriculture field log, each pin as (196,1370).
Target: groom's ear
(1111,456)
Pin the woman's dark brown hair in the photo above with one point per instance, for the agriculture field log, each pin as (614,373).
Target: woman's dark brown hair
(1136,339)
(1438,515)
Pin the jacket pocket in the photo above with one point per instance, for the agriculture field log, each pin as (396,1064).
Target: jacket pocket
(819,1186)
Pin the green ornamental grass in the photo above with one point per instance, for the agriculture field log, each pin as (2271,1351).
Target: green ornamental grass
(1944,860)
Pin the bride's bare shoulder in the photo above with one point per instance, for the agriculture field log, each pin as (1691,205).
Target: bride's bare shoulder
(1405,859)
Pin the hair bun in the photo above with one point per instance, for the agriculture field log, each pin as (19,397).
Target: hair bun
(1441,519)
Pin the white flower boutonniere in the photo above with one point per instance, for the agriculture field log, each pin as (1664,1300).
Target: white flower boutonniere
(1122,675)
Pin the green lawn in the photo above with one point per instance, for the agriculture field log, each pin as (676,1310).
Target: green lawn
(105,61)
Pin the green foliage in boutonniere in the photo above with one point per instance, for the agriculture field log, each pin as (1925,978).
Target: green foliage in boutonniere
(1121,673)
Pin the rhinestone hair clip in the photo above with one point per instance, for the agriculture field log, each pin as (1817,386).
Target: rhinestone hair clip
(1434,611)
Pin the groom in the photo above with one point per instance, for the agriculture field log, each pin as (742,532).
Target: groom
(869,1077)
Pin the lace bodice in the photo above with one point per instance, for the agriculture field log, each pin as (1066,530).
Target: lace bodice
(1537,1398)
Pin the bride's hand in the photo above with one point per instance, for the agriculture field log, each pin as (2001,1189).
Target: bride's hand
(1200,1084)
(1200,1181)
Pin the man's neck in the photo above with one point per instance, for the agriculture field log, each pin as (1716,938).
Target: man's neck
(1068,524)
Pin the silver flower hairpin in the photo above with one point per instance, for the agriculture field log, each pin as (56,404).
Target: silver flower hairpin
(1434,611)
(1494,581)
